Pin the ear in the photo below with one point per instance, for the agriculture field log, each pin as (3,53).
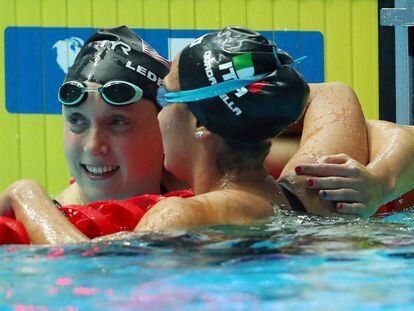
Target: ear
(202,134)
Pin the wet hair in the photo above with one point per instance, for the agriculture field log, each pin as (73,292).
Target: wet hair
(238,155)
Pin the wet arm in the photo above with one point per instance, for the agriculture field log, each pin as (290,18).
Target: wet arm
(392,157)
(358,189)
(44,223)
(334,123)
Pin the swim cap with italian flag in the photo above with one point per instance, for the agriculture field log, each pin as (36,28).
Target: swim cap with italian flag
(119,54)
(258,111)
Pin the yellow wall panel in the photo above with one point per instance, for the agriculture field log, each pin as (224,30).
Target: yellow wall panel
(285,15)
(365,55)
(207,14)
(312,15)
(156,13)
(31,145)
(104,13)
(182,14)
(32,127)
(130,12)
(9,124)
(77,17)
(338,41)
(259,14)
(233,12)
(54,14)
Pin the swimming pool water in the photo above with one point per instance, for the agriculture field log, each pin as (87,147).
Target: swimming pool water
(286,262)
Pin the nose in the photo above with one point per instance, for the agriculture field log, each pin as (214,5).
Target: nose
(96,142)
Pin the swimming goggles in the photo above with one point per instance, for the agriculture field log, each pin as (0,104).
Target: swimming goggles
(164,97)
(116,93)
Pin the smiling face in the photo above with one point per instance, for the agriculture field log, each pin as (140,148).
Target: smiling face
(113,152)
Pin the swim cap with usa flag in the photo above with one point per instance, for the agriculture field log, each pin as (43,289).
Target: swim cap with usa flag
(119,54)
(258,111)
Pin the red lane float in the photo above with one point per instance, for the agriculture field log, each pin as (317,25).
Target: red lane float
(12,232)
(95,219)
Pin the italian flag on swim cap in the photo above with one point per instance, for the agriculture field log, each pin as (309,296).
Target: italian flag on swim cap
(244,66)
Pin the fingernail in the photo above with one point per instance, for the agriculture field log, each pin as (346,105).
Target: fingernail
(324,194)
(310,182)
(340,205)
(298,169)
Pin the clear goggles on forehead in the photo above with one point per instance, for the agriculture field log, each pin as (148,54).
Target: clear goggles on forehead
(116,93)
(164,97)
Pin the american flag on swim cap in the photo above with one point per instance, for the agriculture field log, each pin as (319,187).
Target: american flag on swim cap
(151,52)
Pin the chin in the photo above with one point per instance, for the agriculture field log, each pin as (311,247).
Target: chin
(169,166)
(177,170)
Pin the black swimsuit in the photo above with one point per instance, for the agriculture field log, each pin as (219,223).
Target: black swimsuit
(295,203)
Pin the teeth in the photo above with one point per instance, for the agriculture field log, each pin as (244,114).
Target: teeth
(100,169)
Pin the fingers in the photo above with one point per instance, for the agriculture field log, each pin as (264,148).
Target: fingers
(327,169)
(331,182)
(354,209)
(339,158)
(341,195)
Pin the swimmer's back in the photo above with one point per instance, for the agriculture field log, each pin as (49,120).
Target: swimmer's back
(221,207)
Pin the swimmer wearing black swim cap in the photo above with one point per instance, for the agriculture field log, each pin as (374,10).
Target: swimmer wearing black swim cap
(266,95)
(119,54)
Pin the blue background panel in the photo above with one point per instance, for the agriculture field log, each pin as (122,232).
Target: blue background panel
(33,74)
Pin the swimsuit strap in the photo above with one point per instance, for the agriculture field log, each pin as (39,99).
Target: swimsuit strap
(57,204)
(295,203)
(163,189)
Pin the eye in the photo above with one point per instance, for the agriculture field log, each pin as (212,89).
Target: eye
(120,123)
(77,122)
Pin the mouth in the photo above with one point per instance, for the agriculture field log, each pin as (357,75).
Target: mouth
(99,171)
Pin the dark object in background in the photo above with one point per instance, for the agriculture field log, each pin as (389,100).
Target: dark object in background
(386,46)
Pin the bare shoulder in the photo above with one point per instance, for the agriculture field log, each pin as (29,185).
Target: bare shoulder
(213,208)
(243,202)
(70,195)
(175,202)
(223,202)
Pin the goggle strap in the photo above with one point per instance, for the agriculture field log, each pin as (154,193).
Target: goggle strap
(211,91)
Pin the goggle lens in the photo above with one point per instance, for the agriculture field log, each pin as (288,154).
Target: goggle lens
(70,93)
(121,93)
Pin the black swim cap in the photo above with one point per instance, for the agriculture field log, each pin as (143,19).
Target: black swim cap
(119,54)
(259,111)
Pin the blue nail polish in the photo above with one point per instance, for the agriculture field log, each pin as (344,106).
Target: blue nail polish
(324,194)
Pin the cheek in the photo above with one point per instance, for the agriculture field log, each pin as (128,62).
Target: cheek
(71,143)
(164,120)
(140,151)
